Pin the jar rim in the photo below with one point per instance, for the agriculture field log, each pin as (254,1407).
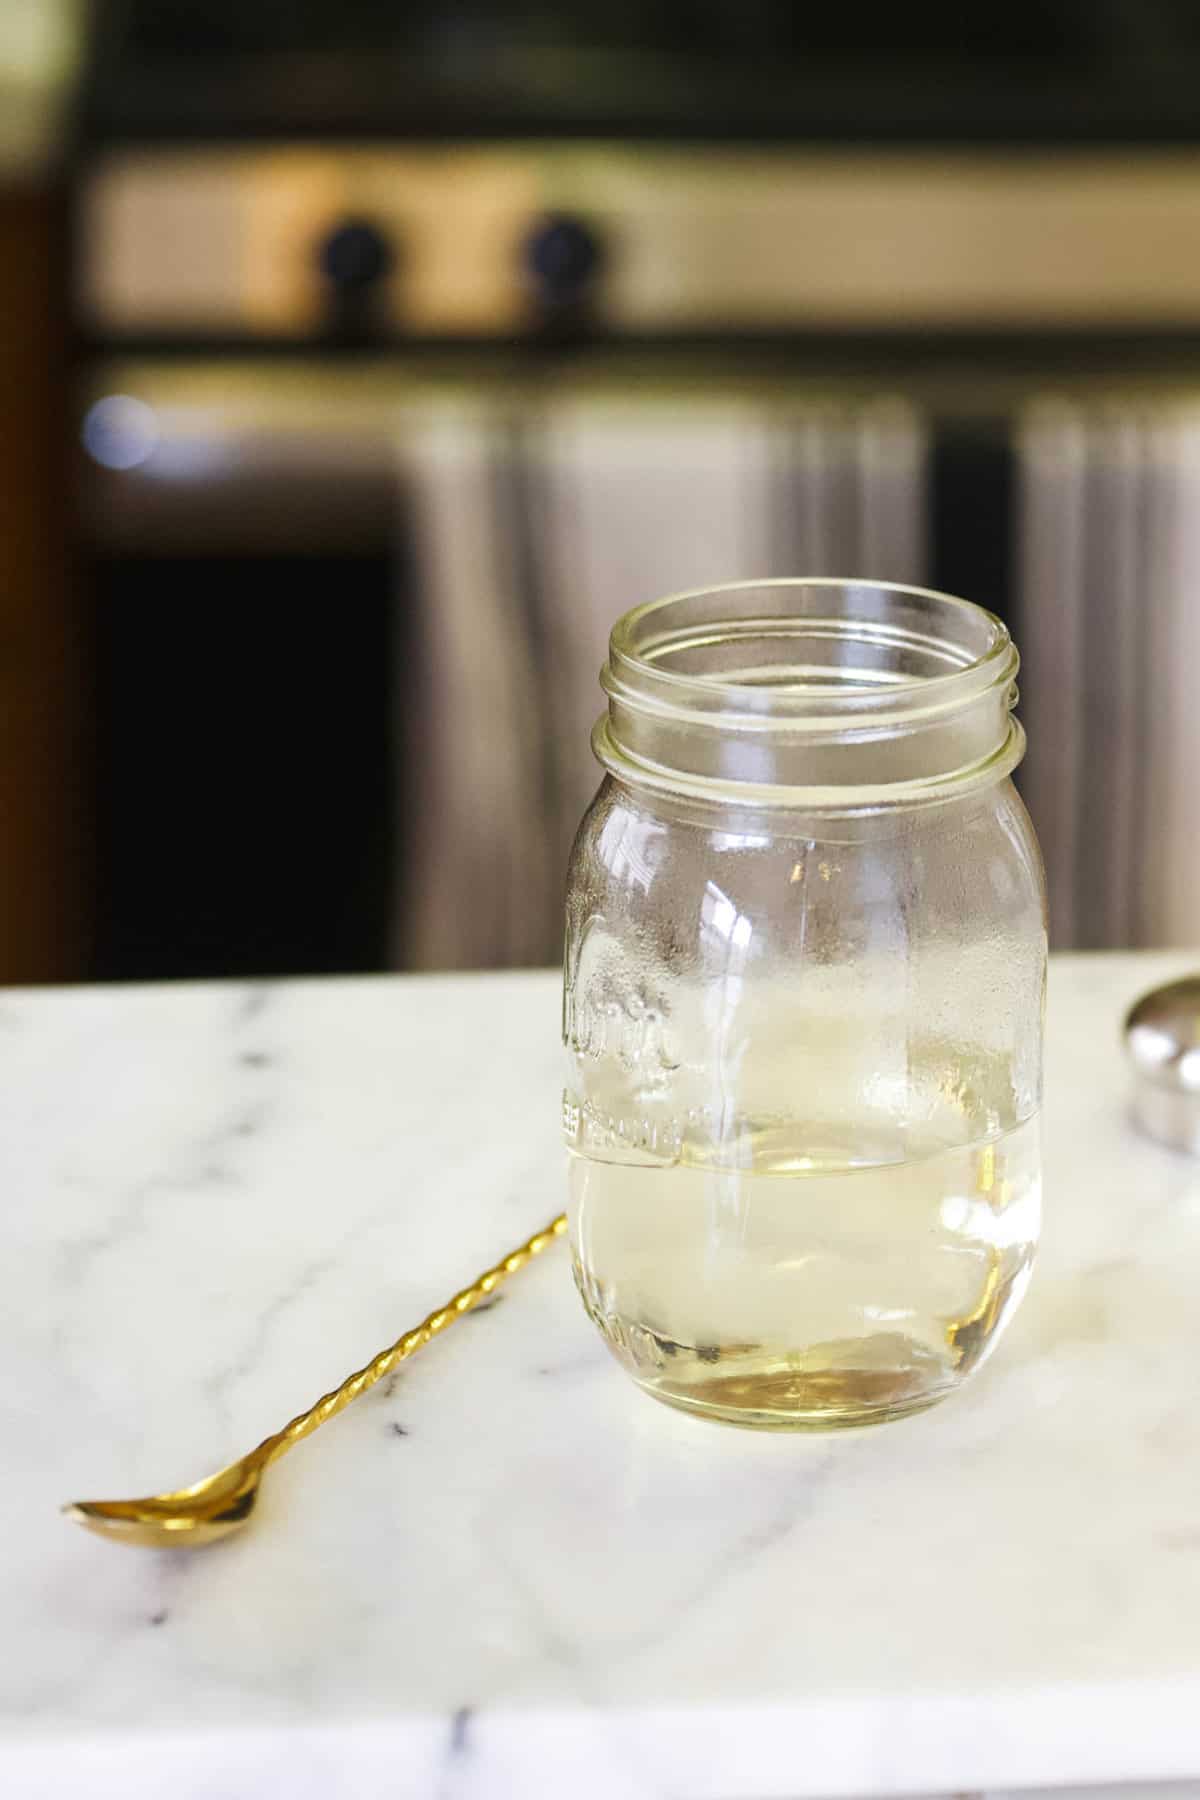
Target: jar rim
(994,657)
(807,681)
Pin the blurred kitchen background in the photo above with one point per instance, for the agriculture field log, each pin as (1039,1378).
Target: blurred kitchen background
(361,361)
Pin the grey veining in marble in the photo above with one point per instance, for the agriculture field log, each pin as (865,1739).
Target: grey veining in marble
(507,1572)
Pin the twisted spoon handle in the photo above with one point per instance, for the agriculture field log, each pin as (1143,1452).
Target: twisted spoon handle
(305,1423)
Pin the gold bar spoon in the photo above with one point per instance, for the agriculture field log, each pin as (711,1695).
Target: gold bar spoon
(224,1502)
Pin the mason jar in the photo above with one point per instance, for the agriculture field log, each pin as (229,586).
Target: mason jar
(803,1000)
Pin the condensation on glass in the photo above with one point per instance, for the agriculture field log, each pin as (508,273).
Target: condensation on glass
(805,968)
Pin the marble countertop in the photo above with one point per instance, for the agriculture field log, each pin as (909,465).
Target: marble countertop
(507,1572)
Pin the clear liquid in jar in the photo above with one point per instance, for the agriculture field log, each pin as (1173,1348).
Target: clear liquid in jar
(796,1292)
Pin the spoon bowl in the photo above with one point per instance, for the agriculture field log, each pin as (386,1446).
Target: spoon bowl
(196,1515)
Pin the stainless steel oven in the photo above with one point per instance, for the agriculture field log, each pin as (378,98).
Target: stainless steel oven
(409,357)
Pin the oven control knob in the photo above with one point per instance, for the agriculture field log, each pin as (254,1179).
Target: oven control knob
(355,256)
(563,257)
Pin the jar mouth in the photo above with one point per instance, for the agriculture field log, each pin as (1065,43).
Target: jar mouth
(807,689)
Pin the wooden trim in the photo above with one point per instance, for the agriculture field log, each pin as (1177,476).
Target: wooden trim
(45,803)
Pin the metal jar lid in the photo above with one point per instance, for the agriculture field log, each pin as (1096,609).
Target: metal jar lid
(1162,1037)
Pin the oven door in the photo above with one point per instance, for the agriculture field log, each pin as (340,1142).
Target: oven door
(350,614)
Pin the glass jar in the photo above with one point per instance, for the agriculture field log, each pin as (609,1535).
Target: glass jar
(804,980)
